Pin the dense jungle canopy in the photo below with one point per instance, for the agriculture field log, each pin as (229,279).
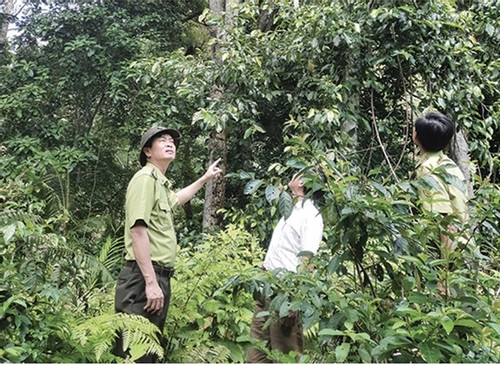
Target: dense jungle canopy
(271,87)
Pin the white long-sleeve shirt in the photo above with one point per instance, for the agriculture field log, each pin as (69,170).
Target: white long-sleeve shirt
(302,231)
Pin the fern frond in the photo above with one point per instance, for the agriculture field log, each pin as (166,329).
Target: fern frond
(111,252)
(100,349)
(10,216)
(53,193)
(95,337)
(64,263)
(311,332)
(209,354)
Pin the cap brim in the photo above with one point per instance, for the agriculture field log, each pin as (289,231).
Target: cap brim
(172,132)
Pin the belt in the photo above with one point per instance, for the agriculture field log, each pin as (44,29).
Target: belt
(160,270)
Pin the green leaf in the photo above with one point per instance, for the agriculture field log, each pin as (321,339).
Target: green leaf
(447,324)
(430,353)
(252,186)
(272,193)
(380,188)
(248,133)
(330,332)
(408,283)
(246,175)
(450,179)
(284,309)
(431,182)
(365,356)
(342,351)
(398,324)
(400,245)
(467,323)
(490,29)
(285,204)
(413,259)
(495,326)
(9,232)
(211,305)
(418,298)
(333,265)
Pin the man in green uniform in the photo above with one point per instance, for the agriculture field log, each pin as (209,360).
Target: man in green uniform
(448,196)
(143,286)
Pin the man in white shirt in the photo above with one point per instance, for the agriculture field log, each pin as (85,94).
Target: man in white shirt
(301,232)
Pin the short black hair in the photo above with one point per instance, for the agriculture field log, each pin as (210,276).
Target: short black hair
(434,131)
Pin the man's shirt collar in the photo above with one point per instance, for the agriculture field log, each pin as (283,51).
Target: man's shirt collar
(157,174)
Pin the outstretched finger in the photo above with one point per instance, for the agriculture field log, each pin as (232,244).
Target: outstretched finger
(217,161)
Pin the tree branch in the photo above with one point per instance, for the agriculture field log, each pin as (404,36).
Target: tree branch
(372,111)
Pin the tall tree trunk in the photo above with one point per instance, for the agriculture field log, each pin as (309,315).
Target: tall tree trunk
(216,188)
(7,12)
(459,152)
(217,145)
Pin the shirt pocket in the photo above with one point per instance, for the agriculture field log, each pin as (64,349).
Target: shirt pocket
(165,216)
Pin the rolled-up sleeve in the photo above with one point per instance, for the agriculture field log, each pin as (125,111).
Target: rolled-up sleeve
(140,200)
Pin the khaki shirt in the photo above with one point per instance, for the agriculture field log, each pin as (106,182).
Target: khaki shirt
(448,194)
(150,199)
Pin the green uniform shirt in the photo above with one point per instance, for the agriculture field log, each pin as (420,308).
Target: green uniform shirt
(150,199)
(448,194)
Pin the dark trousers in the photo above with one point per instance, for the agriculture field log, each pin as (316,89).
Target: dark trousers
(130,297)
(284,334)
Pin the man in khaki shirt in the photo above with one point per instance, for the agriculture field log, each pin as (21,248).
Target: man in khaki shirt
(448,195)
(451,196)
(143,286)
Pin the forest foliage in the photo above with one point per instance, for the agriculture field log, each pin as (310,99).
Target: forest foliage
(335,84)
